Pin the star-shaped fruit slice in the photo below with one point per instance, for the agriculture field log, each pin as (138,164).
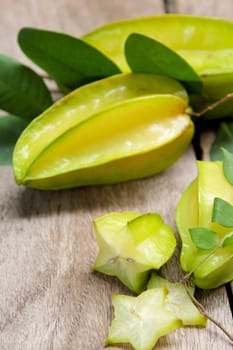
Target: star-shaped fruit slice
(141,320)
(159,310)
(178,301)
(131,244)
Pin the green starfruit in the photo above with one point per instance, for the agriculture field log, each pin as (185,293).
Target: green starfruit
(131,244)
(141,320)
(210,267)
(178,301)
(124,127)
(205,43)
(159,310)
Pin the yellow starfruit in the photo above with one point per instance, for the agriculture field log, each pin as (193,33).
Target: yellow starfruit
(124,127)
(205,43)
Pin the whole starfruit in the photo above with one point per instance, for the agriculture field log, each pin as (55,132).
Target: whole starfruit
(205,43)
(210,266)
(124,127)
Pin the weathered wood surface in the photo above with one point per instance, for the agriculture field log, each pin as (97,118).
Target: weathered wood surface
(216,8)
(49,299)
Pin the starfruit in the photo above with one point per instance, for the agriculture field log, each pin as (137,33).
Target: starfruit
(142,320)
(120,128)
(132,244)
(210,268)
(205,43)
(178,301)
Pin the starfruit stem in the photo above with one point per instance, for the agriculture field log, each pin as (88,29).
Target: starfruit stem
(54,91)
(186,282)
(226,98)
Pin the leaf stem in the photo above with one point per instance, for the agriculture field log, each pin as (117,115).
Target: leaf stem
(51,89)
(226,98)
(55,91)
(45,76)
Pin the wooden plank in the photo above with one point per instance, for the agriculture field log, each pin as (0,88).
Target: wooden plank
(223,8)
(49,298)
(72,17)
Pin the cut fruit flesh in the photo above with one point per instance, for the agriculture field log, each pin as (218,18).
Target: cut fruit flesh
(131,244)
(178,301)
(157,311)
(142,320)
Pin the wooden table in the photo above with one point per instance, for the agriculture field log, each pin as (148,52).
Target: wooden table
(49,299)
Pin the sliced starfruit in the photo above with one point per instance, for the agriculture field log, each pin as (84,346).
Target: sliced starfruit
(141,320)
(159,310)
(210,268)
(205,43)
(120,128)
(131,244)
(178,301)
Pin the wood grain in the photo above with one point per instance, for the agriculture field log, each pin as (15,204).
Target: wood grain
(75,17)
(50,300)
(215,8)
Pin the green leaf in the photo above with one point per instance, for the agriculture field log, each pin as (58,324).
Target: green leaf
(70,61)
(10,129)
(224,139)
(22,91)
(204,238)
(146,55)
(222,212)
(228,241)
(228,165)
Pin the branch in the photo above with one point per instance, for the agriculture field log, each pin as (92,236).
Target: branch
(226,98)
(187,277)
(201,308)
(45,76)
